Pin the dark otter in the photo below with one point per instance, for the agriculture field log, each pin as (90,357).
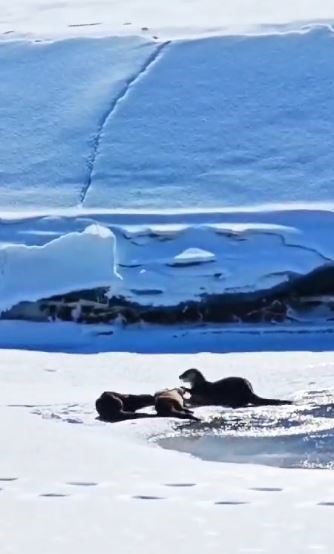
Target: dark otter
(234,392)
(170,403)
(114,406)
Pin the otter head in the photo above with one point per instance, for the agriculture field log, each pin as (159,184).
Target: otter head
(192,376)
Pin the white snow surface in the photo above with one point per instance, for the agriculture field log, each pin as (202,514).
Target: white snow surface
(167,18)
(70,482)
(192,256)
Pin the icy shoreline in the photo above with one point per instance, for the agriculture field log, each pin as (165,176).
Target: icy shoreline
(246,267)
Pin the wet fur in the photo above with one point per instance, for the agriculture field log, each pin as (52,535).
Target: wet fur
(170,403)
(114,406)
(234,392)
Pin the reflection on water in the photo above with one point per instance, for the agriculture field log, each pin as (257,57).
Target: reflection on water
(291,436)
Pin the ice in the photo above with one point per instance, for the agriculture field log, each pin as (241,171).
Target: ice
(72,337)
(193,256)
(239,228)
(74,261)
(68,479)
(247,250)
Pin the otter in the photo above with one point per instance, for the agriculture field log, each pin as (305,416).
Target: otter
(234,392)
(114,406)
(170,403)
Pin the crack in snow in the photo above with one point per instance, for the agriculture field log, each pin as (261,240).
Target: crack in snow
(129,83)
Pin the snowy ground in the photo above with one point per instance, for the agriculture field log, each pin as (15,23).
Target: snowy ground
(70,482)
(173,18)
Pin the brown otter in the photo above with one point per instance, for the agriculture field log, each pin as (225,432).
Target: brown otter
(234,392)
(114,406)
(170,403)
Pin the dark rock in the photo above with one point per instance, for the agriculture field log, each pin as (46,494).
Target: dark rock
(301,294)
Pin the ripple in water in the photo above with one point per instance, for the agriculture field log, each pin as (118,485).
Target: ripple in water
(299,436)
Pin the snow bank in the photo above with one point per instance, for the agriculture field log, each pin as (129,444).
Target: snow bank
(71,262)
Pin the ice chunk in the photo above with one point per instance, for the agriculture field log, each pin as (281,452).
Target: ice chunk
(192,256)
(71,262)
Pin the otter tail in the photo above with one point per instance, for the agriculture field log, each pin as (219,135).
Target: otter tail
(258,401)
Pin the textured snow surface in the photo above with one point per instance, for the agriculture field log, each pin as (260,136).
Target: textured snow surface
(54,100)
(69,481)
(131,123)
(235,121)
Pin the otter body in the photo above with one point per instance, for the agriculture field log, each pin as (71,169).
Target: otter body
(170,403)
(233,392)
(114,406)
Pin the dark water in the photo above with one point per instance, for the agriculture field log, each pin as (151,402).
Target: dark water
(300,436)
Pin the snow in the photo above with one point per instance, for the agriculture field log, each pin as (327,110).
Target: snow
(132,132)
(50,121)
(145,249)
(192,256)
(68,479)
(257,130)
(74,261)
(232,158)
(172,19)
